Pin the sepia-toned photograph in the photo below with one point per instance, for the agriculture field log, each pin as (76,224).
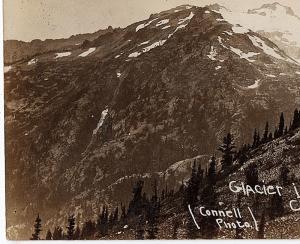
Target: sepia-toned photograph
(152,120)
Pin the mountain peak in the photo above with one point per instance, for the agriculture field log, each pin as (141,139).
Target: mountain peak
(217,7)
(272,5)
(273,10)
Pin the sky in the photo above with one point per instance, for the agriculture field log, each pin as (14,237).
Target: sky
(41,19)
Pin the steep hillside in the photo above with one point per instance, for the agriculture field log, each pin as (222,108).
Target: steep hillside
(269,158)
(134,101)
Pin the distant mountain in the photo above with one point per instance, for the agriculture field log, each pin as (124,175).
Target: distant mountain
(275,21)
(133,102)
(15,50)
(274,10)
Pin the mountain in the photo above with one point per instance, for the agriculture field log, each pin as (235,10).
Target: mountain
(274,21)
(16,51)
(287,34)
(134,102)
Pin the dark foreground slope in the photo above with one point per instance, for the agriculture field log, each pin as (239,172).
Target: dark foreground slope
(176,222)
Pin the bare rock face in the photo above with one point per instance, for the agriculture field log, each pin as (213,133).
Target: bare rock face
(132,103)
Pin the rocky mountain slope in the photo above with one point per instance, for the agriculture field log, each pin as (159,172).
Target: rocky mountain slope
(134,101)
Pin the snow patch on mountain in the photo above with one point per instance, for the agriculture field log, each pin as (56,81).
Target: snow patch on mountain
(119,55)
(142,26)
(181,25)
(181,21)
(162,22)
(221,42)
(255,85)
(228,33)
(243,55)
(212,54)
(32,61)
(101,121)
(272,76)
(298,72)
(166,27)
(61,55)
(177,28)
(262,45)
(7,68)
(147,49)
(88,52)
(218,67)
(143,43)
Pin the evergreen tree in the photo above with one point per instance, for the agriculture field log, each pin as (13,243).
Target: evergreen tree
(88,230)
(123,218)
(139,228)
(211,174)
(242,155)
(208,226)
(283,175)
(258,141)
(71,227)
(200,176)
(49,235)
(116,215)
(77,233)
(175,229)
(192,189)
(153,215)
(57,233)
(103,222)
(270,136)
(261,228)
(239,232)
(254,144)
(296,120)
(266,133)
(251,174)
(37,229)
(281,125)
(64,236)
(163,194)
(227,148)
(137,203)
(276,206)
(191,230)
(110,220)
